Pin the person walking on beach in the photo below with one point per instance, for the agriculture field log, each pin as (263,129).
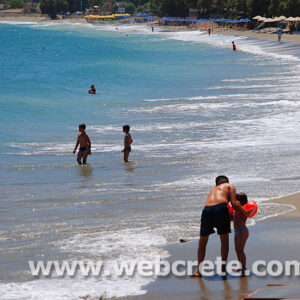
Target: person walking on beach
(85,145)
(216,215)
(209,31)
(127,142)
(279,34)
(233,46)
(241,231)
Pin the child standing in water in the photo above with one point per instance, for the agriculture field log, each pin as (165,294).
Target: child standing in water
(85,145)
(241,230)
(127,142)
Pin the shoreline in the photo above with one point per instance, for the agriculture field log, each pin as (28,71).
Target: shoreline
(281,230)
(293,39)
(262,226)
(294,200)
(266,36)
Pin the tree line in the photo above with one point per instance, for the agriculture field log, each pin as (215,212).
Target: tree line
(226,8)
(181,8)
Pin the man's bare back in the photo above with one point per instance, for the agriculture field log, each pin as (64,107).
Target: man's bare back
(215,215)
(223,193)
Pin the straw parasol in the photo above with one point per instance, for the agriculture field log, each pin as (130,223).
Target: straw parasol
(261,19)
(269,20)
(292,19)
(257,18)
(281,18)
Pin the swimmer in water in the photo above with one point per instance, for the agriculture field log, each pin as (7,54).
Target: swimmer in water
(92,90)
(233,46)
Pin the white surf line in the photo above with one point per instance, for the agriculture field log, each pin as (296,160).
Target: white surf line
(247,44)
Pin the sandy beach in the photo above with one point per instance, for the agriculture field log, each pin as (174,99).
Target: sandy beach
(294,38)
(271,239)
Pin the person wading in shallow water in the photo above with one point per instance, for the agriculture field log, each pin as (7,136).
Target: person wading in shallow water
(233,46)
(127,142)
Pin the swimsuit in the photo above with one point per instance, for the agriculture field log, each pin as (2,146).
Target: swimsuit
(128,149)
(240,230)
(86,148)
(216,216)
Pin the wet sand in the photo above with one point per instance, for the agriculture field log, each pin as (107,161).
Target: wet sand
(272,239)
(291,38)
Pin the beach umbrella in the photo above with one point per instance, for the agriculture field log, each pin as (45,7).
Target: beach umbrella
(292,19)
(261,19)
(228,21)
(281,18)
(269,20)
(247,20)
(257,18)
(150,18)
(141,15)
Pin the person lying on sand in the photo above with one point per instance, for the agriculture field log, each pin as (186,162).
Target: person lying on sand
(216,215)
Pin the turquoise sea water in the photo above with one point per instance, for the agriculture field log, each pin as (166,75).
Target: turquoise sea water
(196,110)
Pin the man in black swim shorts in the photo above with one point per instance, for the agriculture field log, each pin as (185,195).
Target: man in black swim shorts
(216,215)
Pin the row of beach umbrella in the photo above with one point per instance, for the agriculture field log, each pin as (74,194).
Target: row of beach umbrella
(277,19)
(206,20)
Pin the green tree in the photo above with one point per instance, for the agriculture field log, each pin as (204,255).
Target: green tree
(205,6)
(140,9)
(74,5)
(173,8)
(219,6)
(130,8)
(260,7)
(53,7)
(16,3)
